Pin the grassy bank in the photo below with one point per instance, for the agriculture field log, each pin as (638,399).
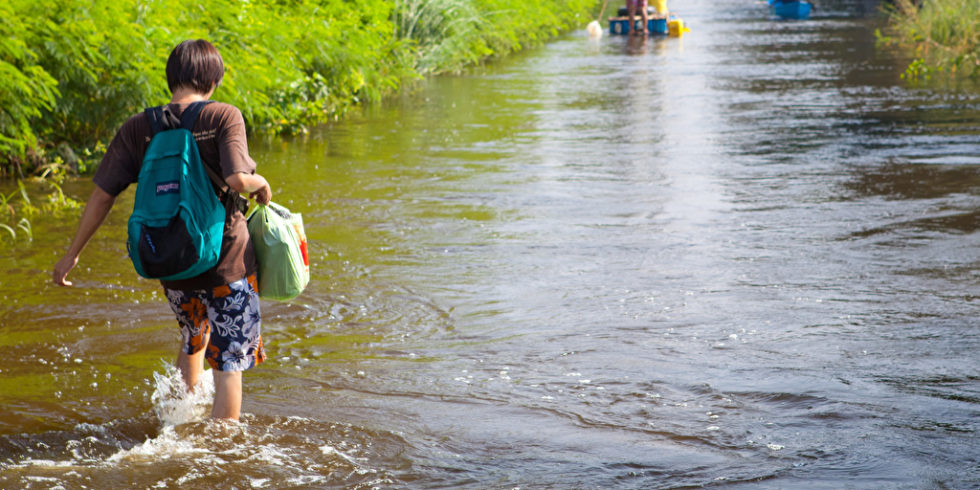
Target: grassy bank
(71,71)
(944,34)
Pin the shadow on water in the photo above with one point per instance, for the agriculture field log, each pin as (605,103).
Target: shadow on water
(905,181)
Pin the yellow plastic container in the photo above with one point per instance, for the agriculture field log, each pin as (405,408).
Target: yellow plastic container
(675,28)
(660,5)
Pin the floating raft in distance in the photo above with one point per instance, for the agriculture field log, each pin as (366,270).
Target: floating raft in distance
(791,9)
(657,23)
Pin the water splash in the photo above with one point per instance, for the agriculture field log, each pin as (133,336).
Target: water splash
(174,407)
(172,402)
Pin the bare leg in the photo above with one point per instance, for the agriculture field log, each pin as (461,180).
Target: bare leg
(646,20)
(227,384)
(227,395)
(632,16)
(191,366)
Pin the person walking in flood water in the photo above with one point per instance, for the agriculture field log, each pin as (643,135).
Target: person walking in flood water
(218,310)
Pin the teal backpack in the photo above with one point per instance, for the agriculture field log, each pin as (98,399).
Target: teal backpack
(177,222)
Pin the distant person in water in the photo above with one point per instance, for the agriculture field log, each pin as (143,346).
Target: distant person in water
(217,311)
(631,7)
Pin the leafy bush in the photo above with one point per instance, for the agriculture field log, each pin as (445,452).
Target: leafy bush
(26,88)
(945,35)
(71,71)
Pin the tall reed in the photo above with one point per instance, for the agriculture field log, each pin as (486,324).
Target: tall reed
(945,35)
(443,32)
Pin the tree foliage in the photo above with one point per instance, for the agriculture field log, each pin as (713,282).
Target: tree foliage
(71,71)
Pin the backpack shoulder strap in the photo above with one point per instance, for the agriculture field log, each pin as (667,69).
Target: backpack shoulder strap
(191,113)
(160,119)
(187,120)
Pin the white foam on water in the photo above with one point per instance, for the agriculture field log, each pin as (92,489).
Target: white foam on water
(332,451)
(174,406)
(188,446)
(45,462)
(271,454)
(42,479)
(172,402)
(167,444)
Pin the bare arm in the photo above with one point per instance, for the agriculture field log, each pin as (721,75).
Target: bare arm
(252,184)
(96,210)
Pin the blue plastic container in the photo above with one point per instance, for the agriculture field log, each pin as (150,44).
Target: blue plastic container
(657,26)
(619,26)
(793,9)
(622,26)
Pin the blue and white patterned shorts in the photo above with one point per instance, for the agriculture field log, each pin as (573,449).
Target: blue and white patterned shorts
(225,319)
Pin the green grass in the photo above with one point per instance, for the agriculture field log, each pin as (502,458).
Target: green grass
(944,36)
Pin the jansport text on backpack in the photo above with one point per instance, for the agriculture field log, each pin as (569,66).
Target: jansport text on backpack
(177,222)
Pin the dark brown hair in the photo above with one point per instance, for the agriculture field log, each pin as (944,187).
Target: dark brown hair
(195,64)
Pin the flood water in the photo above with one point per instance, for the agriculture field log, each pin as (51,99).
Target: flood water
(748,257)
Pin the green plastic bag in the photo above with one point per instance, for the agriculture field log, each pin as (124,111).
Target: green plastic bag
(280,247)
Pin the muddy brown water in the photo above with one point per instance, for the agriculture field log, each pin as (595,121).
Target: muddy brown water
(747,257)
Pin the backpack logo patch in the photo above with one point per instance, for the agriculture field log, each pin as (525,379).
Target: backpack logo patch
(171,187)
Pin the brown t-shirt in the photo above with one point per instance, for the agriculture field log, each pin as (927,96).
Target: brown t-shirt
(220,135)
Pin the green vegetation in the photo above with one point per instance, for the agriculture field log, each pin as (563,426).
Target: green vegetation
(944,34)
(71,71)
(17,210)
(11,215)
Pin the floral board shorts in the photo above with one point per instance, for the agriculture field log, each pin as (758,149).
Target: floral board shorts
(225,319)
